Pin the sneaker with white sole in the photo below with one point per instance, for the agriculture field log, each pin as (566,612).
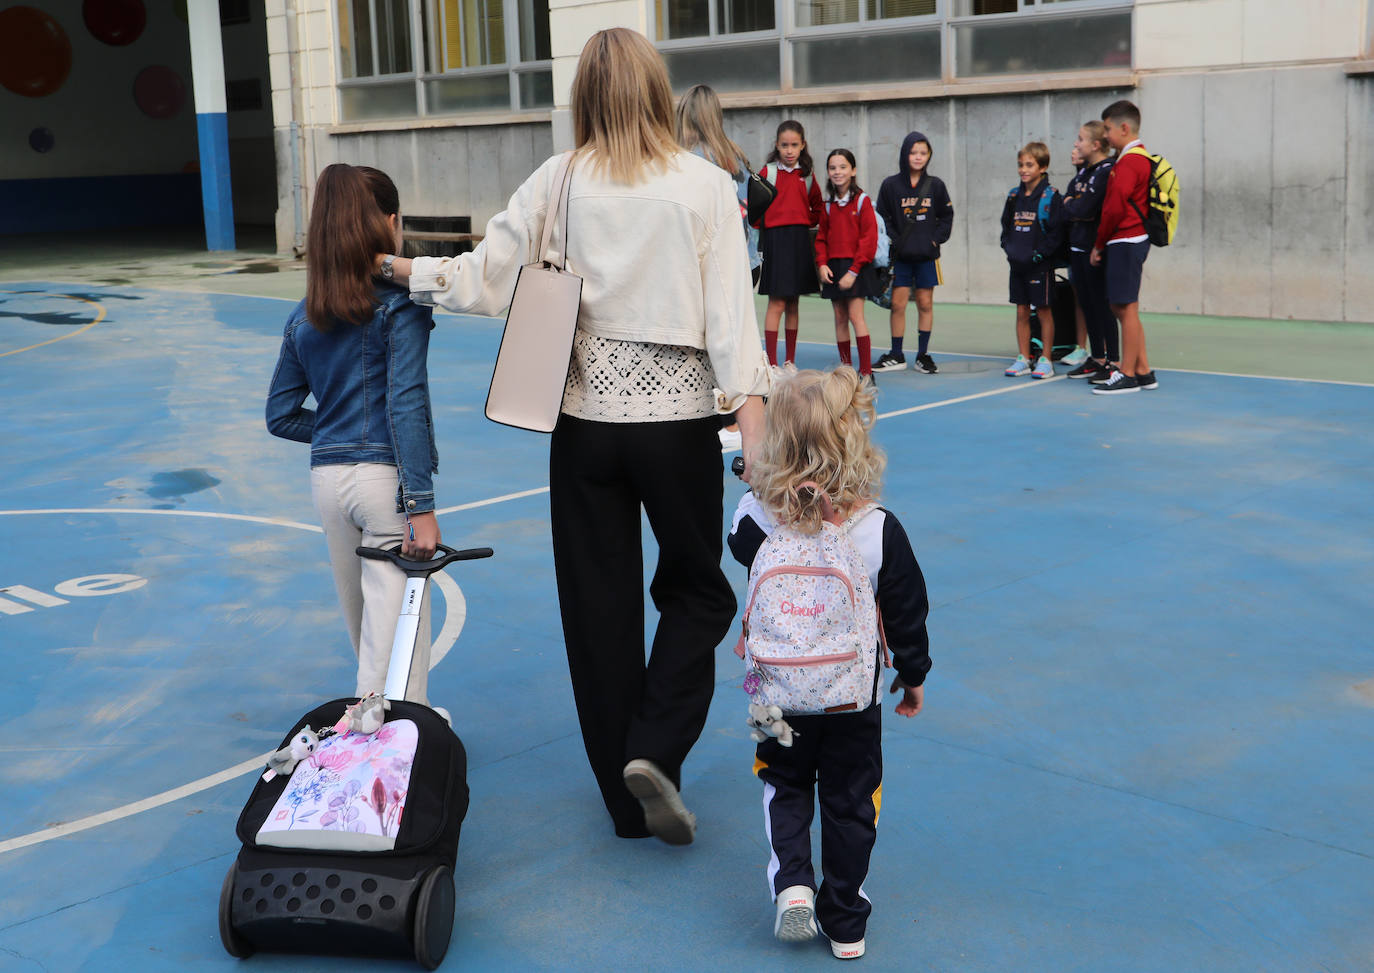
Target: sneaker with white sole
(1044,368)
(730,439)
(1018,368)
(888,362)
(1086,369)
(1075,358)
(664,813)
(924,363)
(1117,384)
(1147,381)
(796,918)
(847,950)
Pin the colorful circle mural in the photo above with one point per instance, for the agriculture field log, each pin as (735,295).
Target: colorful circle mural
(159,91)
(35,52)
(114,22)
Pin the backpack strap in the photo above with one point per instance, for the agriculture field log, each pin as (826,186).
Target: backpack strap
(856,515)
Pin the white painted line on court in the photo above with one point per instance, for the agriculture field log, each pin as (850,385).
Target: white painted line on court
(1018,387)
(455,615)
(137,807)
(492,500)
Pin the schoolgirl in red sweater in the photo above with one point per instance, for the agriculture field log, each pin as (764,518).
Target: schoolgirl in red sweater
(785,239)
(845,247)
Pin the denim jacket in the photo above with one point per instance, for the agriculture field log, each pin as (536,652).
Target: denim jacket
(371,388)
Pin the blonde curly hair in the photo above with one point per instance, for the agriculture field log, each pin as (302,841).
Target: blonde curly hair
(817,430)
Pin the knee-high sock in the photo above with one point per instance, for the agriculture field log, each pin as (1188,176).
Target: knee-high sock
(924,344)
(844,351)
(791,344)
(865,349)
(770,345)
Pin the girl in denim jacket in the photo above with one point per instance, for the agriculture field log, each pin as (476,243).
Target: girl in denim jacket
(359,346)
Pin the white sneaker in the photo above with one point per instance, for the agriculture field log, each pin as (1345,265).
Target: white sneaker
(664,813)
(796,918)
(730,439)
(1044,368)
(1018,367)
(1075,358)
(847,950)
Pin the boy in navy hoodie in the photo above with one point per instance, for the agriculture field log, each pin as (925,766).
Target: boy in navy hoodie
(919,216)
(1032,230)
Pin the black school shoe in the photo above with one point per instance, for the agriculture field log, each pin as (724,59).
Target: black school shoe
(1117,384)
(924,363)
(1089,369)
(1147,381)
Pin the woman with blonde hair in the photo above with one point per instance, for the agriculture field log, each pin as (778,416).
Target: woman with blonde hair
(666,342)
(701,130)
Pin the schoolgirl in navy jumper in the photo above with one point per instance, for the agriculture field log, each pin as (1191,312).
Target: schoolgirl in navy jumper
(788,271)
(818,430)
(845,247)
(1083,211)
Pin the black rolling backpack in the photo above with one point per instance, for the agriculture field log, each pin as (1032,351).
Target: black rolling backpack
(351,849)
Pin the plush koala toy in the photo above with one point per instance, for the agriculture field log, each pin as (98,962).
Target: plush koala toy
(284,761)
(767,721)
(366,716)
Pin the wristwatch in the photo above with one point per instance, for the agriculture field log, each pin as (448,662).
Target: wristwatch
(388,271)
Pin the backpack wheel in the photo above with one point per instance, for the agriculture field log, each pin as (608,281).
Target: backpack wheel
(234,944)
(434,917)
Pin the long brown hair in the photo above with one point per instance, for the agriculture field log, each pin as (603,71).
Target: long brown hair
(348,228)
(622,105)
(701,122)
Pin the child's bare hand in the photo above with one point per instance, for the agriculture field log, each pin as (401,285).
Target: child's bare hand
(913,697)
(826,276)
(847,281)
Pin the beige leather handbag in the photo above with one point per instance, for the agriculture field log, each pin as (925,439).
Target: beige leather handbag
(536,347)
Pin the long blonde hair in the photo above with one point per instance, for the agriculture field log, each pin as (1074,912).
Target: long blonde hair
(701,122)
(622,105)
(817,430)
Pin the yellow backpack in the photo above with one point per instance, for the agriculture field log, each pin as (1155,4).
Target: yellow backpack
(1162,219)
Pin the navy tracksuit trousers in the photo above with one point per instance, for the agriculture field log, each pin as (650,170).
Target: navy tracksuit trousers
(838,758)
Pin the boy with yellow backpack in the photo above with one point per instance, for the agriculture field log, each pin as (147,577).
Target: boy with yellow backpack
(1139,209)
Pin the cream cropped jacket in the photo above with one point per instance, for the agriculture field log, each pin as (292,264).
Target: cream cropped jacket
(662,261)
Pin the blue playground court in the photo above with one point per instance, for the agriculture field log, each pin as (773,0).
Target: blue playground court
(1148,742)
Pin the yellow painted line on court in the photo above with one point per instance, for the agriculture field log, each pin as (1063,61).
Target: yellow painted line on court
(100,316)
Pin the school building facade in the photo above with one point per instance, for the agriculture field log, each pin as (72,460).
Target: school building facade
(1264,108)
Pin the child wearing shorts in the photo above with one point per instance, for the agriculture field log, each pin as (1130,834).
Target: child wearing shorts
(1029,241)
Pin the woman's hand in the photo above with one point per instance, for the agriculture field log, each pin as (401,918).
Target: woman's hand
(423,538)
(826,276)
(750,418)
(847,281)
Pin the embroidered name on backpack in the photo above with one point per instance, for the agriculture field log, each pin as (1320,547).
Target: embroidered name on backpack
(787,608)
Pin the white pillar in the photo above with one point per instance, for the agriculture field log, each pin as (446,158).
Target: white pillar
(571,24)
(212,125)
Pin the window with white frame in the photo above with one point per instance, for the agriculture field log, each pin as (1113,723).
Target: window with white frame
(474,55)
(737,45)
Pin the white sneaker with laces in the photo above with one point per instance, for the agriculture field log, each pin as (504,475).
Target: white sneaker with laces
(1018,367)
(796,918)
(1044,368)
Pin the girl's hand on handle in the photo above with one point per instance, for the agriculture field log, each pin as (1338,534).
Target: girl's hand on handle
(423,538)
(825,274)
(913,697)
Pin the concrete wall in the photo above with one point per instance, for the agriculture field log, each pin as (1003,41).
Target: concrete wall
(1225,33)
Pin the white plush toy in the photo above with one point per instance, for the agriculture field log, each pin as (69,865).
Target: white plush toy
(767,721)
(366,716)
(284,761)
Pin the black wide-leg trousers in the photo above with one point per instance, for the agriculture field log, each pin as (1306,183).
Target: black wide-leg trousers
(600,476)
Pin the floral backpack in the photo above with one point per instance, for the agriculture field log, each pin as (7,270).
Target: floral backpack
(811,633)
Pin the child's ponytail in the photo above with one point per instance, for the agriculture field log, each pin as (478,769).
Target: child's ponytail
(348,227)
(804,163)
